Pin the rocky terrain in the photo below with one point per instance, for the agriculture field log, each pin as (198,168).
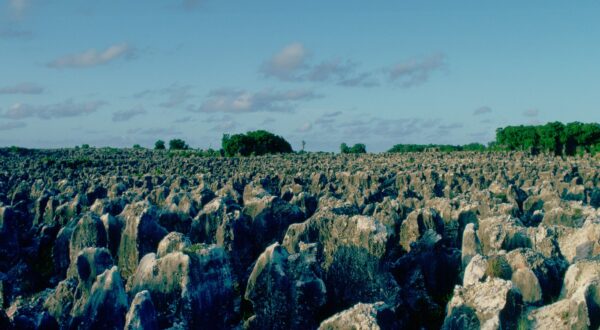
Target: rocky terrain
(137,239)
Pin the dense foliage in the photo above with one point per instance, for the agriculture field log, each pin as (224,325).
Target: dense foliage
(178,144)
(254,143)
(159,145)
(554,137)
(358,148)
(400,148)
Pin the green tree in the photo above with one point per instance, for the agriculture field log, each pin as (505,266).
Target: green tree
(344,148)
(358,148)
(551,137)
(159,145)
(178,144)
(254,143)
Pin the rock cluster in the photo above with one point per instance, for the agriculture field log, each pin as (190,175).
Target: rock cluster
(134,239)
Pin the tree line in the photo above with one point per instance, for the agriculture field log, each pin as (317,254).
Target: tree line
(554,137)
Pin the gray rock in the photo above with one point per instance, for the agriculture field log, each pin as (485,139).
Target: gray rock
(173,242)
(361,316)
(496,302)
(106,305)
(141,235)
(141,314)
(285,290)
(350,253)
(190,288)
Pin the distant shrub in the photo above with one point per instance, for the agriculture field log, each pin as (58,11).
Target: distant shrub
(254,143)
(358,148)
(159,145)
(85,146)
(178,144)
(137,147)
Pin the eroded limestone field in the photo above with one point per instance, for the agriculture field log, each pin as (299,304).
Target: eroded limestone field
(135,239)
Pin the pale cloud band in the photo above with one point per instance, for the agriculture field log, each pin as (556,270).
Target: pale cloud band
(241,101)
(93,57)
(292,64)
(22,88)
(58,110)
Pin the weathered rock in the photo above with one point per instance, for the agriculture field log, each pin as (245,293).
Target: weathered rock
(141,235)
(106,305)
(173,242)
(141,315)
(470,244)
(351,250)
(502,233)
(190,288)
(417,223)
(496,302)
(362,316)
(89,232)
(285,290)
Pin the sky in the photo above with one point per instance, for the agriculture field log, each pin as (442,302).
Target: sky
(118,73)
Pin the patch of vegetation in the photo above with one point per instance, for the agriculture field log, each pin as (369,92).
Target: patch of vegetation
(498,267)
(178,144)
(554,137)
(358,148)
(254,143)
(137,147)
(402,148)
(159,145)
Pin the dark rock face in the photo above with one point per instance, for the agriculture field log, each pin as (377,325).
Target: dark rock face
(285,290)
(141,315)
(189,288)
(130,239)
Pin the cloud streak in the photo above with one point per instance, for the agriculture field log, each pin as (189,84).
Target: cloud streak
(10,33)
(482,111)
(241,101)
(93,57)
(126,115)
(22,88)
(64,109)
(416,71)
(531,113)
(292,64)
(12,125)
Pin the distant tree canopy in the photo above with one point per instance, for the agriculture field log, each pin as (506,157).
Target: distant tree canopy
(159,145)
(178,144)
(254,143)
(554,137)
(400,148)
(358,148)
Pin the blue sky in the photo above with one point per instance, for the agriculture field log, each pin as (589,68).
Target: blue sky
(115,73)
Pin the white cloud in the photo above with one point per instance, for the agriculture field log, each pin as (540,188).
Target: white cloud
(286,63)
(241,101)
(93,57)
(127,114)
(22,88)
(58,110)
